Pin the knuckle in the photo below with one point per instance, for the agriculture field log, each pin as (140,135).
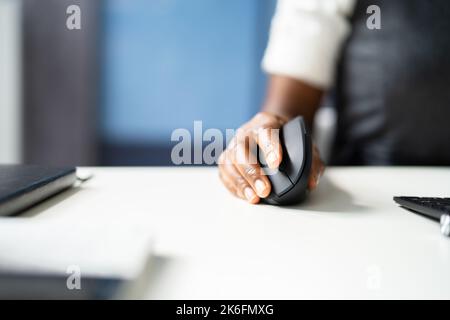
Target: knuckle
(244,139)
(260,116)
(241,134)
(221,159)
(232,143)
(251,172)
(241,183)
(270,121)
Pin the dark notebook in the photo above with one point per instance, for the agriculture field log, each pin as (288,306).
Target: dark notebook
(22,187)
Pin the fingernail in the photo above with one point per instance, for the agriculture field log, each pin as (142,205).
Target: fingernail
(272,158)
(319,176)
(249,194)
(260,187)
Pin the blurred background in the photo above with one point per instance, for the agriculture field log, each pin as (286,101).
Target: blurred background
(113,92)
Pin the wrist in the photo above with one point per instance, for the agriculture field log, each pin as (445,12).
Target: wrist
(283,115)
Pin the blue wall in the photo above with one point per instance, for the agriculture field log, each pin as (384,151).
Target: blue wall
(170,62)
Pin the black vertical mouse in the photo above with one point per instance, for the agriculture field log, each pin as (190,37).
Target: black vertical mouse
(290,182)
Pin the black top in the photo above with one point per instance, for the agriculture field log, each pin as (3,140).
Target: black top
(393,86)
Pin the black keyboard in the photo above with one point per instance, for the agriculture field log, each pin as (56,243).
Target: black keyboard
(431,207)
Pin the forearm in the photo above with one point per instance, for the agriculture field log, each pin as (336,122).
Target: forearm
(288,98)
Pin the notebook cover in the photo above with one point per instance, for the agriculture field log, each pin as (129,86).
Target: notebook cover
(24,186)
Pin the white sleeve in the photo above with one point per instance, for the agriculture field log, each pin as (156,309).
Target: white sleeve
(305,39)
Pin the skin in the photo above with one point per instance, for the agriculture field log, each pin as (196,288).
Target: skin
(238,169)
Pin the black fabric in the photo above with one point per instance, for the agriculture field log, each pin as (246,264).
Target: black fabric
(393,86)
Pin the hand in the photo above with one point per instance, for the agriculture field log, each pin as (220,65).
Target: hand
(239,169)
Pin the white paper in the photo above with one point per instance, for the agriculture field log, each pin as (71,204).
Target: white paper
(101,249)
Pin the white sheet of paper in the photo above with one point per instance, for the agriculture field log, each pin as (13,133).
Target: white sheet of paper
(43,246)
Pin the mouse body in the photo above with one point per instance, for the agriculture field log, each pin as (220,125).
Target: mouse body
(290,181)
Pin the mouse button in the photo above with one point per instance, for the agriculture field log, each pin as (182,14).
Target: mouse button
(294,140)
(280,183)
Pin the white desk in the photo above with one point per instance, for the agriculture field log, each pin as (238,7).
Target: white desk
(350,240)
